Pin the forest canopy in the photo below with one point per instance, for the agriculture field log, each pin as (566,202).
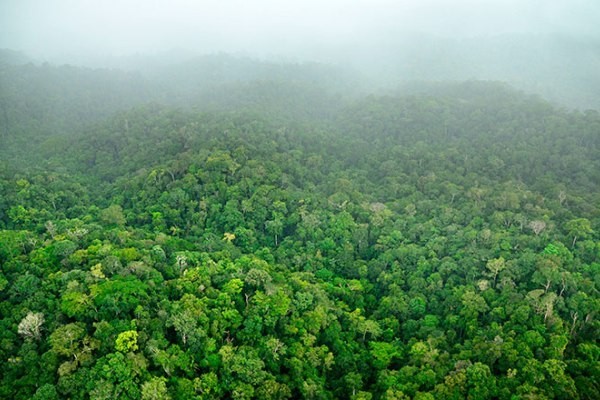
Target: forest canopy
(272,231)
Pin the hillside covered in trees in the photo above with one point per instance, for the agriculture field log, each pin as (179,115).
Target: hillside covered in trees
(270,232)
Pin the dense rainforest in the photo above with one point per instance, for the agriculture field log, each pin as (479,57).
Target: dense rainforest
(251,230)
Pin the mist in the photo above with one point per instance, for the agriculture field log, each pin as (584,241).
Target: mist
(77,29)
(530,44)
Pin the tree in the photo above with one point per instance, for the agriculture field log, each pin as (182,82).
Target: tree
(30,327)
(115,376)
(119,296)
(537,226)
(275,228)
(66,339)
(495,266)
(113,215)
(480,382)
(354,382)
(383,353)
(473,304)
(155,389)
(543,302)
(578,228)
(126,341)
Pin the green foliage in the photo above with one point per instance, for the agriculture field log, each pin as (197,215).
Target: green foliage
(46,392)
(155,389)
(126,341)
(113,215)
(386,247)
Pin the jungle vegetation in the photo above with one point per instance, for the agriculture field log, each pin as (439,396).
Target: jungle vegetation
(271,231)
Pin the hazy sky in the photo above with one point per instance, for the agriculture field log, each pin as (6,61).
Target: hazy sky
(112,27)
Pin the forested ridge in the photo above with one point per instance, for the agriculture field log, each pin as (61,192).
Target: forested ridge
(286,238)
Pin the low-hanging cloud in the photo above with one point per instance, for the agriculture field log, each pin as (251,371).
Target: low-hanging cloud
(113,27)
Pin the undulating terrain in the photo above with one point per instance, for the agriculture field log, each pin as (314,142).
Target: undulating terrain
(245,229)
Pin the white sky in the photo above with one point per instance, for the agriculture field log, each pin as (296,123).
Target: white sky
(113,27)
